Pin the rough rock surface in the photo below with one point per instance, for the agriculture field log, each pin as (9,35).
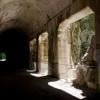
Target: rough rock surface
(87,71)
(31,15)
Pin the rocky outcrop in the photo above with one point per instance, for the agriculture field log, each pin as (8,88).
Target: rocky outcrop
(90,56)
(87,70)
(86,76)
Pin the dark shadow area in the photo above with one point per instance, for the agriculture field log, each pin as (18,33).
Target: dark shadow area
(23,85)
(53,54)
(90,94)
(15,45)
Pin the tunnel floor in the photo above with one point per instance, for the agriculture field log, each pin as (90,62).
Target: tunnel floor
(23,85)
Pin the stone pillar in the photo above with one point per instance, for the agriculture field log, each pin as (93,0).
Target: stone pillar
(50,54)
(37,43)
(43,53)
(62,57)
(64,52)
(52,49)
(55,55)
(33,53)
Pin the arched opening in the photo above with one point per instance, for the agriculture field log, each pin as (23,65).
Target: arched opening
(77,50)
(2,56)
(15,45)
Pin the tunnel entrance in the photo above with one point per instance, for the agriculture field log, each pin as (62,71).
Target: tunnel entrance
(15,45)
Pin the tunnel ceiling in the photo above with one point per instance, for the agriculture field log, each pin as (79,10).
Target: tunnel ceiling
(29,15)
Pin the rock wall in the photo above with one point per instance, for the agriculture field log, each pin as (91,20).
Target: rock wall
(87,70)
(30,15)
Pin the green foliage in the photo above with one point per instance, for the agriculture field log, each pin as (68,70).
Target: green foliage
(81,33)
(2,56)
(89,23)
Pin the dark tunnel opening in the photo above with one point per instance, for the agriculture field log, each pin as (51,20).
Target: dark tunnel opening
(15,45)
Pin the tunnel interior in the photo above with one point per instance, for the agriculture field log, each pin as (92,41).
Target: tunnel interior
(14,44)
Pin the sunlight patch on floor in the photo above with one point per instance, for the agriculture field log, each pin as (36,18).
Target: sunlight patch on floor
(38,74)
(3,60)
(68,88)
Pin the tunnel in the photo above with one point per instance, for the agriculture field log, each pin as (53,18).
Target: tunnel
(42,46)
(15,46)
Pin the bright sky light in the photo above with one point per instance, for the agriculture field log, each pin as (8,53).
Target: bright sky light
(37,74)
